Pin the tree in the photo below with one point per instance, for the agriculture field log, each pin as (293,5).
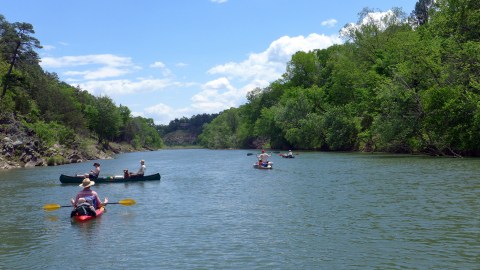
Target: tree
(104,119)
(421,14)
(18,45)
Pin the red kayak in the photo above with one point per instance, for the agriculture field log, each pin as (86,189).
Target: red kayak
(99,211)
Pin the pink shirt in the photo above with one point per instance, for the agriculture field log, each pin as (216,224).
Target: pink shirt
(87,192)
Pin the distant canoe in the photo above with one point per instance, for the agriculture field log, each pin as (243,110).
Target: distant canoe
(66,179)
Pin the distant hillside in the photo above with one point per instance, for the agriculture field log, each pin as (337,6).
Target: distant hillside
(184,131)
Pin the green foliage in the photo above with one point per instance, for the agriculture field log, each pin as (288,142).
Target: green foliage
(56,160)
(223,131)
(390,87)
(52,133)
(141,132)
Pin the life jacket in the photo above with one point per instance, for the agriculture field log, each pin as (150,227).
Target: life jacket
(84,209)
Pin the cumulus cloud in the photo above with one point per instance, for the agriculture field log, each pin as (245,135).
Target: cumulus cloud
(270,64)
(215,96)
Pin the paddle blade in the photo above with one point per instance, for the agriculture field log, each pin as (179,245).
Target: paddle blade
(51,207)
(127,202)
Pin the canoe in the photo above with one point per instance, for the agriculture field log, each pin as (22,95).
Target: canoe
(99,211)
(286,156)
(66,179)
(256,166)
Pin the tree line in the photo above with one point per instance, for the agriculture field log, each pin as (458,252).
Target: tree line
(404,84)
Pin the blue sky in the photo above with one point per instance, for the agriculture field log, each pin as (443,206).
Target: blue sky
(166,59)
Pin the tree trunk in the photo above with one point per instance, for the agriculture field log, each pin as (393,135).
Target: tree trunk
(10,69)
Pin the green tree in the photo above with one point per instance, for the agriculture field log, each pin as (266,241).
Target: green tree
(17,44)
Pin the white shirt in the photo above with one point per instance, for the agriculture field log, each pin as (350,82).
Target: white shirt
(142,169)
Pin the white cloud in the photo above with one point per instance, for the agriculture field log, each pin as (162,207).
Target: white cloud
(157,65)
(216,96)
(181,65)
(99,66)
(123,87)
(218,1)
(329,23)
(165,71)
(270,64)
(82,60)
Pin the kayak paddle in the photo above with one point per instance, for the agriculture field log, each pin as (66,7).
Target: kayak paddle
(53,207)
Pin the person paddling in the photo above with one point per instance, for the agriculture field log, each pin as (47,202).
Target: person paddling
(141,170)
(264,158)
(95,172)
(90,195)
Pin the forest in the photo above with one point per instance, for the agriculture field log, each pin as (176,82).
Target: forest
(405,84)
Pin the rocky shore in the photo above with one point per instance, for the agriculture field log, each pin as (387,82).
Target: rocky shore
(21,147)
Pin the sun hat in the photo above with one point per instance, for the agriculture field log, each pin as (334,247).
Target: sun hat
(87,183)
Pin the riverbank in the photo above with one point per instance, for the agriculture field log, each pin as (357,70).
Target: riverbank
(20,147)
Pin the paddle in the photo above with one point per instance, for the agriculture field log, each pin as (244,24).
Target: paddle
(53,207)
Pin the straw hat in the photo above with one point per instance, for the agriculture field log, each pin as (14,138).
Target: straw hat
(86,183)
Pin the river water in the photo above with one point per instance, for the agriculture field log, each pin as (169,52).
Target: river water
(213,210)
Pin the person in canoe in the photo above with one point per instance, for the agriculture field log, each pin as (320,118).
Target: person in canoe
(141,170)
(95,172)
(83,208)
(290,154)
(89,195)
(263,157)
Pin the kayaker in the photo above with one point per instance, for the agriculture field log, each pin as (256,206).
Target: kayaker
(264,158)
(90,195)
(141,170)
(290,154)
(95,172)
(83,209)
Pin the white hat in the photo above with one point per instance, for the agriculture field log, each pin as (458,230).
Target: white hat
(87,183)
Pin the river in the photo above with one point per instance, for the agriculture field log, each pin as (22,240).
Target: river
(213,210)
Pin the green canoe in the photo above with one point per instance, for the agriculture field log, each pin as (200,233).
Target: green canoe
(66,179)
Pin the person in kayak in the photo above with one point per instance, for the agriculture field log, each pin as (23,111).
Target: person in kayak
(141,170)
(95,172)
(90,195)
(264,158)
(83,209)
